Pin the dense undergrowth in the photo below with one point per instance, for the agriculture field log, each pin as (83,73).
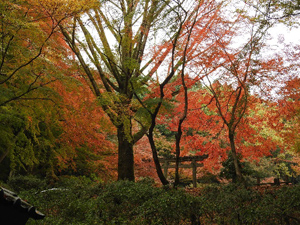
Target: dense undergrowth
(78,200)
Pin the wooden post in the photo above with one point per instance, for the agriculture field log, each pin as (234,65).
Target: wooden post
(286,179)
(194,173)
(258,180)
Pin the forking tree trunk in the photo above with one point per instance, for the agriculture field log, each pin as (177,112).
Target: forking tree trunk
(125,154)
(115,72)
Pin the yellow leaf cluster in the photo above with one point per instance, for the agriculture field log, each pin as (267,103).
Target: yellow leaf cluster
(65,7)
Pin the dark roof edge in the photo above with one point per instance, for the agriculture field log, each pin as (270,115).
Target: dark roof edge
(10,198)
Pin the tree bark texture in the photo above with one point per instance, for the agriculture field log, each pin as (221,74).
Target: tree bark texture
(125,155)
(235,158)
(159,171)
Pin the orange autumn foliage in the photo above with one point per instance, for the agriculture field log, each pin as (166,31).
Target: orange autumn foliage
(85,126)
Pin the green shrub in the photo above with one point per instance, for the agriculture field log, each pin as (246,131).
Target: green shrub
(119,201)
(235,205)
(71,201)
(79,200)
(170,207)
(125,202)
(230,205)
(21,183)
(281,206)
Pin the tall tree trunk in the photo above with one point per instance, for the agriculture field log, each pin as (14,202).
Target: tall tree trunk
(238,172)
(177,155)
(125,154)
(159,172)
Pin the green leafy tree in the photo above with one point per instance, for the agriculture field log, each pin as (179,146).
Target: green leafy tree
(28,142)
(32,57)
(25,62)
(115,43)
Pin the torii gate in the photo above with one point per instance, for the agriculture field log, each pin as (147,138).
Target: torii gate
(170,163)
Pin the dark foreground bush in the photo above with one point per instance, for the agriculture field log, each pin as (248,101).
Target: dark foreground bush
(81,201)
(229,205)
(139,203)
(235,205)
(281,206)
(71,201)
(23,183)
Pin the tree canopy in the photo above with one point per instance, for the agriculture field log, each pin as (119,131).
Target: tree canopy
(106,88)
